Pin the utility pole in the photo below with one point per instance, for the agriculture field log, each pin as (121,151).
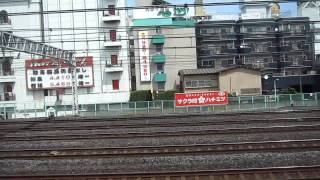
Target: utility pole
(41,21)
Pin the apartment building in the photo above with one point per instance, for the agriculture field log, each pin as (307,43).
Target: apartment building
(100,37)
(162,42)
(277,46)
(311,9)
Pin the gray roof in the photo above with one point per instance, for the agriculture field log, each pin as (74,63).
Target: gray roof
(204,71)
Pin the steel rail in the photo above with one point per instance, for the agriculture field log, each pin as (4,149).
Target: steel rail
(94,126)
(289,145)
(232,131)
(268,173)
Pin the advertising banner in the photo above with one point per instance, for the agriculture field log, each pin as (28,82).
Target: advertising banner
(55,74)
(201,99)
(144,56)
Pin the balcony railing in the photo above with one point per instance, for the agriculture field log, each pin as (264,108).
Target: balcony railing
(113,67)
(6,21)
(111,13)
(113,42)
(111,16)
(7,73)
(110,64)
(7,96)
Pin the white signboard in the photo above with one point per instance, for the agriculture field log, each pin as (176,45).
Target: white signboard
(54,74)
(163,12)
(144,56)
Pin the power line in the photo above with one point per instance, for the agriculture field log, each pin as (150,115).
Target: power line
(159,6)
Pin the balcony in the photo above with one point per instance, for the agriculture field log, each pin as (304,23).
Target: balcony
(159,58)
(5,25)
(112,67)
(160,77)
(7,96)
(111,16)
(113,42)
(158,39)
(7,76)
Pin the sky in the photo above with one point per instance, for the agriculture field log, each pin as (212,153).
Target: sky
(292,7)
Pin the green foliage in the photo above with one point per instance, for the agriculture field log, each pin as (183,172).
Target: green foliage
(167,95)
(141,96)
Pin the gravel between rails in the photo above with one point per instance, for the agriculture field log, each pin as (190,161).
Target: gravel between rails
(27,133)
(160,141)
(159,163)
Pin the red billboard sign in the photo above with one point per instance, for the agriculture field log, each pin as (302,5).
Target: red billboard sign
(201,99)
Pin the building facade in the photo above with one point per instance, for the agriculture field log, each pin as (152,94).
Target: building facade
(98,35)
(311,9)
(234,80)
(283,46)
(162,43)
(278,46)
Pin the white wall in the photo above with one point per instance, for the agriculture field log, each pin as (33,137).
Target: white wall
(80,31)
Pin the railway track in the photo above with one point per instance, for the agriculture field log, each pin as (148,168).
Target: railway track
(243,116)
(105,126)
(302,145)
(261,130)
(282,173)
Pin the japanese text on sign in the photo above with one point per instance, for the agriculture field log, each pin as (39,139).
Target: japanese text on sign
(199,99)
(53,74)
(144,56)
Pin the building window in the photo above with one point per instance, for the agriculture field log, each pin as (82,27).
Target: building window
(207,63)
(160,67)
(113,35)
(114,59)
(112,10)
(159,48)
(56,71)
(35,72)
(201,83)
(158,30)
(115,84)
(161,85)
(49,71)
(203,31)
(42,72)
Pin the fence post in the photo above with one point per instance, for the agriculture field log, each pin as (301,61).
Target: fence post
(226,107)
(15,111)
(135,107)
(252,101)
(148,107)
(302,97)
(4,111)
(95,109)
(239,103)
(265,102)
(24,109)
(316,98)
(174,107)
(162,106)
(35,109)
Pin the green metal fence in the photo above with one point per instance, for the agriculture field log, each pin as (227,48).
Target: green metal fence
(241,103)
